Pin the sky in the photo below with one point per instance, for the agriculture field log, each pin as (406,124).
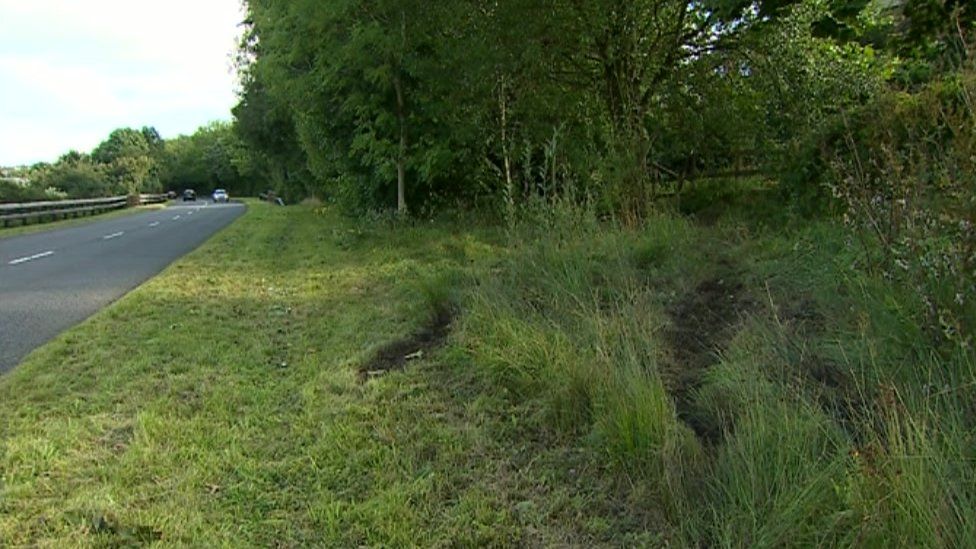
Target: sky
(73,71)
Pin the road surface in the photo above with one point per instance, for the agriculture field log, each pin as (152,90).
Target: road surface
(52,280)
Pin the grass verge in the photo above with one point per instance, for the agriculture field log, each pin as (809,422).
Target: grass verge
(221,404)
(306,380)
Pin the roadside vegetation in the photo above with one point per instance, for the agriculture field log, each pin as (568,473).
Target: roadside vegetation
(790,365)
(308,379)
(644,273)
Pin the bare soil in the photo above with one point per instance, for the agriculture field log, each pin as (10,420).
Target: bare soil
(703,323)
(395,356)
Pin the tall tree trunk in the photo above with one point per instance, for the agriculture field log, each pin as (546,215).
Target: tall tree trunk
(402,152)
(402,120)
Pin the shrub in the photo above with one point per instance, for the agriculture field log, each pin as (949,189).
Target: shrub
(905,173)
(15,191)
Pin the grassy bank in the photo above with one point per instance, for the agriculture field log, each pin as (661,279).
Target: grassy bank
(222,404)
(737,366)
(306,380)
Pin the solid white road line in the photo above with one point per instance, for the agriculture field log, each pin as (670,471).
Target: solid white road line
(113,235)
(154,224)
(30,258)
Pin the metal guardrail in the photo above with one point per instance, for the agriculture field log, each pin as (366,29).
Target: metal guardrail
(63,209)
(152,198)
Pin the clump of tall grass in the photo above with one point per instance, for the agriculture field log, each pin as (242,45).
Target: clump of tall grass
(569,321)
(879,452)
(893,467)
(912,480)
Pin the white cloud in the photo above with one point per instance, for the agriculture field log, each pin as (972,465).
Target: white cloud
(70,72)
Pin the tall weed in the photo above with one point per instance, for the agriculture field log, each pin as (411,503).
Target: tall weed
(906,175)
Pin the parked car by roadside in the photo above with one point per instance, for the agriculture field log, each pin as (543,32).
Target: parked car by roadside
(220,195)
(189,194)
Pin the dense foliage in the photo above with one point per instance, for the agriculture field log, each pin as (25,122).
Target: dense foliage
(856,107)
(397,103)
(213,157)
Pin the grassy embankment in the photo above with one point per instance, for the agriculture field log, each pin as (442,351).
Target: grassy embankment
(731,384)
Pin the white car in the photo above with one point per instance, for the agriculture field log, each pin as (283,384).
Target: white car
(220,195)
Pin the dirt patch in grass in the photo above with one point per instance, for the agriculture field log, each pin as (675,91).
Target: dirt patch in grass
(827,383)
(703,323)
(118,440)
(395,356)
(803,317)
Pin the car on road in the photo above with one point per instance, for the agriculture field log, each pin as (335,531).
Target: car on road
(189,194)
(220,195)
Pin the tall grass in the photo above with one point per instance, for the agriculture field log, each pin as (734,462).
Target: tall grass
(836,421)
(836,428)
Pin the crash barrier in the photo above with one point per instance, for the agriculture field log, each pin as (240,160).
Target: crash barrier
(42,212)
(152,198)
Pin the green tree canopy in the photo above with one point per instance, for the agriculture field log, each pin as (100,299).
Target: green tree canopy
(212,157)
(128,160)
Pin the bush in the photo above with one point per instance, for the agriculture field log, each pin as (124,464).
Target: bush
(80,180)
(13,191)
(905,173)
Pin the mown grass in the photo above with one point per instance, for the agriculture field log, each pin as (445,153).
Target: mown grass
(219,404)
(587,396)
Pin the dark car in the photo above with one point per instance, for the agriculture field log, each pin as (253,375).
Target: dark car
(189,194)
(171,195)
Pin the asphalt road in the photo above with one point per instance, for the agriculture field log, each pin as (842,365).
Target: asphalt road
(52,280)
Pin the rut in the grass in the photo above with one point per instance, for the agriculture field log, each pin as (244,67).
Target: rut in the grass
(396,355)
(703,323)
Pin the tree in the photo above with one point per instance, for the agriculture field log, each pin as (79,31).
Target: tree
(127,159)
(76,176)
(402,102)
(212,157)
(264,126)
(356,80)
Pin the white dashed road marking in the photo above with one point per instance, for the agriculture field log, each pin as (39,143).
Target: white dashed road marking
(175,218)
(30,258)
(154,224)
(113,235)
